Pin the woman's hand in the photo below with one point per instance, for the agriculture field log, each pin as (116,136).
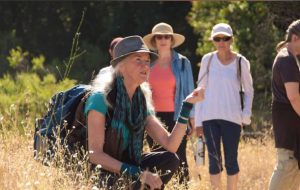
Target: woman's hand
(151,179)
(196,96)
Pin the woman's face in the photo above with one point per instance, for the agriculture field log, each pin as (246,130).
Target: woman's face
(163,42)
(222,42)
(136,68)
(296,41)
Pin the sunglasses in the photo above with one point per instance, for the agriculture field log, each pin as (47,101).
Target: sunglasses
(159,37)
(224,39)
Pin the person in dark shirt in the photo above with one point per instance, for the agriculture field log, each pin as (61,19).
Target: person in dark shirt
(286,111)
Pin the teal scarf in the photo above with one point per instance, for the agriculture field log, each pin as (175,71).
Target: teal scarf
(129,120)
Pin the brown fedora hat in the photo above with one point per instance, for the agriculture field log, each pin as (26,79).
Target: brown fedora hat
(130,45)
(163,29)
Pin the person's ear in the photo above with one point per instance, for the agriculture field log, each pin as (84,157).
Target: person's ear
(295,37)
(121,67)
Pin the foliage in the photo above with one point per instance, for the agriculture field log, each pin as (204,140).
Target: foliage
(8,41)
(25,93)
(283,12)
(16,57)
(19,60)
(90,63)
(38,63)
(47,28)
(29,93)
(255,36)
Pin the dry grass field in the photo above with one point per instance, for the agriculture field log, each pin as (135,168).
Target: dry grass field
(18,169)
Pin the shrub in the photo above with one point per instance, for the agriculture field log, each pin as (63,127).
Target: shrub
(29,94)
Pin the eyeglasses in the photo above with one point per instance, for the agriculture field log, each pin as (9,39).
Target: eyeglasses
(159,37)
(224,39)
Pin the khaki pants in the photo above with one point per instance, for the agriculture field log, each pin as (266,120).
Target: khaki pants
(286,174)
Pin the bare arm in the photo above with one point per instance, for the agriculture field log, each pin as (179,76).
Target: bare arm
(249,92)
(96,137)
(171,141)
(292,90)
(160,135)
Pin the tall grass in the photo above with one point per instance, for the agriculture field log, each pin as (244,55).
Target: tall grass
(18,169)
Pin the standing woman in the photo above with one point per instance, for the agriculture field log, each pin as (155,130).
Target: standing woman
(171,80)
(119,111)
(221,113)
(286,111)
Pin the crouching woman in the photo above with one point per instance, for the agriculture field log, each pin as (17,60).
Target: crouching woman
(118,113)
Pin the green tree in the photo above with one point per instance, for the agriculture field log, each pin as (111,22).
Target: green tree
(47,28)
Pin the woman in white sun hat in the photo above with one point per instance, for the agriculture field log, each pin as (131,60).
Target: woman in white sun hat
(223,73)
(171,79)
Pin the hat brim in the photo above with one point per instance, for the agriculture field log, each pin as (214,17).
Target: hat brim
(153,57)
(177,38)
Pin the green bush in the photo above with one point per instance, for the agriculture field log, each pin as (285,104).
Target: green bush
(26,95)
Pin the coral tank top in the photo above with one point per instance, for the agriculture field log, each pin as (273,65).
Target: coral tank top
(163,85)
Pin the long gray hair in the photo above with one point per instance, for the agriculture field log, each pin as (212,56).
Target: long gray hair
(294,28)
(104,82)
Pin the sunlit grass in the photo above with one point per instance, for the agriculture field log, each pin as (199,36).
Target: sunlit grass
(18,169)
(256,160)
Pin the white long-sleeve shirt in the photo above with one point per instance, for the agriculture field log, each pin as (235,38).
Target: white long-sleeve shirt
(222,86)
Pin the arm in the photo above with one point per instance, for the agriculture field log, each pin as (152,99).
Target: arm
(160,135)
(292,90)
(96,137)
(248,91)
(171,141)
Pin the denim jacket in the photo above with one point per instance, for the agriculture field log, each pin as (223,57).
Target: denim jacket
(182,71)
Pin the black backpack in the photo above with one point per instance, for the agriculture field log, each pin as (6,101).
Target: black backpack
(63,125)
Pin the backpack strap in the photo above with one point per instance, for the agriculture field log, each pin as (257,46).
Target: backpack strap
(239,76)
(77,135)
(207,68)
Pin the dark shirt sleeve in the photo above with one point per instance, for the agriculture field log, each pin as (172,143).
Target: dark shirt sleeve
(289,70)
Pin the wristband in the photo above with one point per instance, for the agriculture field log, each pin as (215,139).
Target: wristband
(181,120)
(185,112)
(130,170)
